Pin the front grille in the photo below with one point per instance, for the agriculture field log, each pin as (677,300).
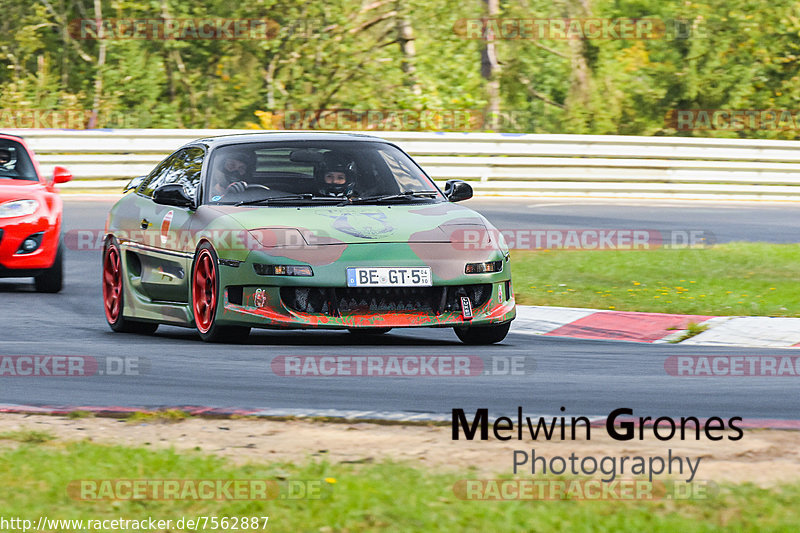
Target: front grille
(334,301)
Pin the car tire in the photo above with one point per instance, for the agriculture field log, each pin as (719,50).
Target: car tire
(365,332)
(114,293)
(205,291)
(483,334)
(52,279)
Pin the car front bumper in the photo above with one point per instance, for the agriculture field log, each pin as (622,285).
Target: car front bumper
(264,307)
(267,301)
(14,232)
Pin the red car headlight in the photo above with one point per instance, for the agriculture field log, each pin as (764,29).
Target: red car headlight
(18,208)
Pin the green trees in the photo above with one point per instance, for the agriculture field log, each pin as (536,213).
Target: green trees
(401,54)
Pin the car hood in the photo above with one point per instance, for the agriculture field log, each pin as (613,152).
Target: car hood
(319,225)
(19,190)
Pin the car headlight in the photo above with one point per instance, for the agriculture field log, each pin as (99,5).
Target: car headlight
(483,268)
(18,208)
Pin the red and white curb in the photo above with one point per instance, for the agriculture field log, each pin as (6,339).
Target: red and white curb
(764,332)
(755,331)
(224,412)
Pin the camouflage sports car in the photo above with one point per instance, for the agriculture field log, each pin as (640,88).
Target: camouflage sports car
(301,230)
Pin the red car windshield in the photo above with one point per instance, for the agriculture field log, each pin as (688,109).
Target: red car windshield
(15,163)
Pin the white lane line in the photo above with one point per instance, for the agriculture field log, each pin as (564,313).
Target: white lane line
(534,206)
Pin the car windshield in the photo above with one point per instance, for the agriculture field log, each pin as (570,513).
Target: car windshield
(315,172)
(15,163)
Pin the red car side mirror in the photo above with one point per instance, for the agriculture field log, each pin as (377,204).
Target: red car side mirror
(61,175)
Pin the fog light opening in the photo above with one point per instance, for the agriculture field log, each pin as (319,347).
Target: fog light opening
(30,244)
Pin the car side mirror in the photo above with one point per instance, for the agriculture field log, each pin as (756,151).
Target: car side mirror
(172,194)
(457,190)
(134,183)
(61,175)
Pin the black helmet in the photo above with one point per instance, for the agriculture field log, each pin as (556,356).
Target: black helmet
(336,162)
(245,157)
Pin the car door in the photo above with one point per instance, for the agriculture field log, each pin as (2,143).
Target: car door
(165,251)
(127,216)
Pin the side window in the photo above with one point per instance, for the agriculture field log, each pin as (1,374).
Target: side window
(14,161)
(182,167)
(186,170)
(156,177)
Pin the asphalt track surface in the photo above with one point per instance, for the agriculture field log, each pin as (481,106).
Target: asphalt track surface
(724,221)
(586,377)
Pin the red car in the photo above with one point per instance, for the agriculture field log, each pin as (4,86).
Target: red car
(30,217)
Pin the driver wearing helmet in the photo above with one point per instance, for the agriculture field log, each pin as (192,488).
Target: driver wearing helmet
(337,176)
(231,169)
(5,156)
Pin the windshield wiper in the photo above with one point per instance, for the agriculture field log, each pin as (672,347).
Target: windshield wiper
(390,197)
(289,197)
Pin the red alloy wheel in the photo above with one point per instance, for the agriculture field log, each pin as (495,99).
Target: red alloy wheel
(112,284)
(204,291)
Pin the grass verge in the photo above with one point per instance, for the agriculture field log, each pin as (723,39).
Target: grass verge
(166,416)
(368,497)
(753,279)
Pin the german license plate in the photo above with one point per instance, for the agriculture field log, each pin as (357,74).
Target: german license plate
(389,277)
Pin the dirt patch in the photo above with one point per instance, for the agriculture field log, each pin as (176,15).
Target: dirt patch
(763,457)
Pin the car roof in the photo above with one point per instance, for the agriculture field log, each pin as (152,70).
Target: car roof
(278,136)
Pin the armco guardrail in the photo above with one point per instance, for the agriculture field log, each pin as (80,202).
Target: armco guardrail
(514,164)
